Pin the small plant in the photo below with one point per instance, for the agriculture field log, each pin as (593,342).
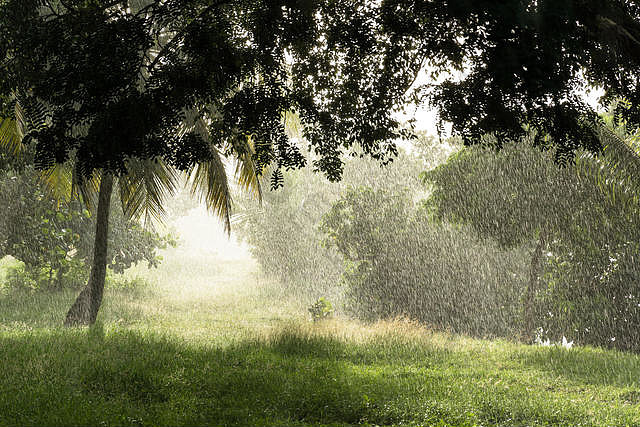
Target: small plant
(320,309)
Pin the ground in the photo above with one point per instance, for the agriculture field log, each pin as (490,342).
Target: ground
(205,339)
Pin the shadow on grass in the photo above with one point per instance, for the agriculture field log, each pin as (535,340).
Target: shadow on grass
(123,377)
(48,309)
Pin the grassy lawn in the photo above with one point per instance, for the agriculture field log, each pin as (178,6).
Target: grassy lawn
(208,342)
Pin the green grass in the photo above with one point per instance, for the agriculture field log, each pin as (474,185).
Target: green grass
(210,343)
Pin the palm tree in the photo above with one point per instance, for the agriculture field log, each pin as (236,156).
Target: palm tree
(617,171)
(144,187)
(142,192)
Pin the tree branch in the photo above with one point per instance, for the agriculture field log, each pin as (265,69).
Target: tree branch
(165,49)
(153,5)
(622,31)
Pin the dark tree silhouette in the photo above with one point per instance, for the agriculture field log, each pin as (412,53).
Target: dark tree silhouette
(182,81)
(523,61)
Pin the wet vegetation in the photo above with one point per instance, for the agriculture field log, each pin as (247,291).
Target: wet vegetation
(384,277)
(489,243)
(453,287)
(51,236)
(229,347)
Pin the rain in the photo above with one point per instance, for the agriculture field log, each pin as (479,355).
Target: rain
(369,213)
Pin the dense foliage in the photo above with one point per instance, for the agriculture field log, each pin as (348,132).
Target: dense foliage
(54,238)
(284,231)
(584,273)
(108,80)
(365,244)
(88,71)
(522,62)
(400,263)
(505,238)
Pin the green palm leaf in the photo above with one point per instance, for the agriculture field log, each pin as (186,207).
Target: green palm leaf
(58,179)
(12,131)
(209,180)
(144,188)
(210,183)
(247,173)
(617,171)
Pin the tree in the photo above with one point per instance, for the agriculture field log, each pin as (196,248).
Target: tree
(400,263)
(522,62)
(514,197)
(54,237)
(343,66)
(112,83)
(130,72)
(579,224)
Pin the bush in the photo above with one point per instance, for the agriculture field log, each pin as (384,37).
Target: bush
(399,263)
(592,293)
(321,309)
(283,233)
(54,239)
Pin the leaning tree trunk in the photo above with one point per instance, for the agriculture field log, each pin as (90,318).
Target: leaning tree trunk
(85,309)
(528,332)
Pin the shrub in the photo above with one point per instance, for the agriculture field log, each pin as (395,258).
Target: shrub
(592,293)
(399,263)
(283,233)
(321,309)
(54,239)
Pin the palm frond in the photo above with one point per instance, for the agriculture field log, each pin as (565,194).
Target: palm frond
(28,114)
(623,150)
(12,131)
(209,180)
(616,173)
(247,173)
(144,188)
(58,179)
(210,183)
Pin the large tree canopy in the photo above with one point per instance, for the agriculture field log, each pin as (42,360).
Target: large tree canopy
(108,80)
(112,79)
(523,62)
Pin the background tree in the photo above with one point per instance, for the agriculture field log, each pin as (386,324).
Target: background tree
(398,262)
(578,224)
(521,62)
(284,233)
(515,197)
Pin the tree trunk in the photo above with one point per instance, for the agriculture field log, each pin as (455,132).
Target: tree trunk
(85,309)
(532,289)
